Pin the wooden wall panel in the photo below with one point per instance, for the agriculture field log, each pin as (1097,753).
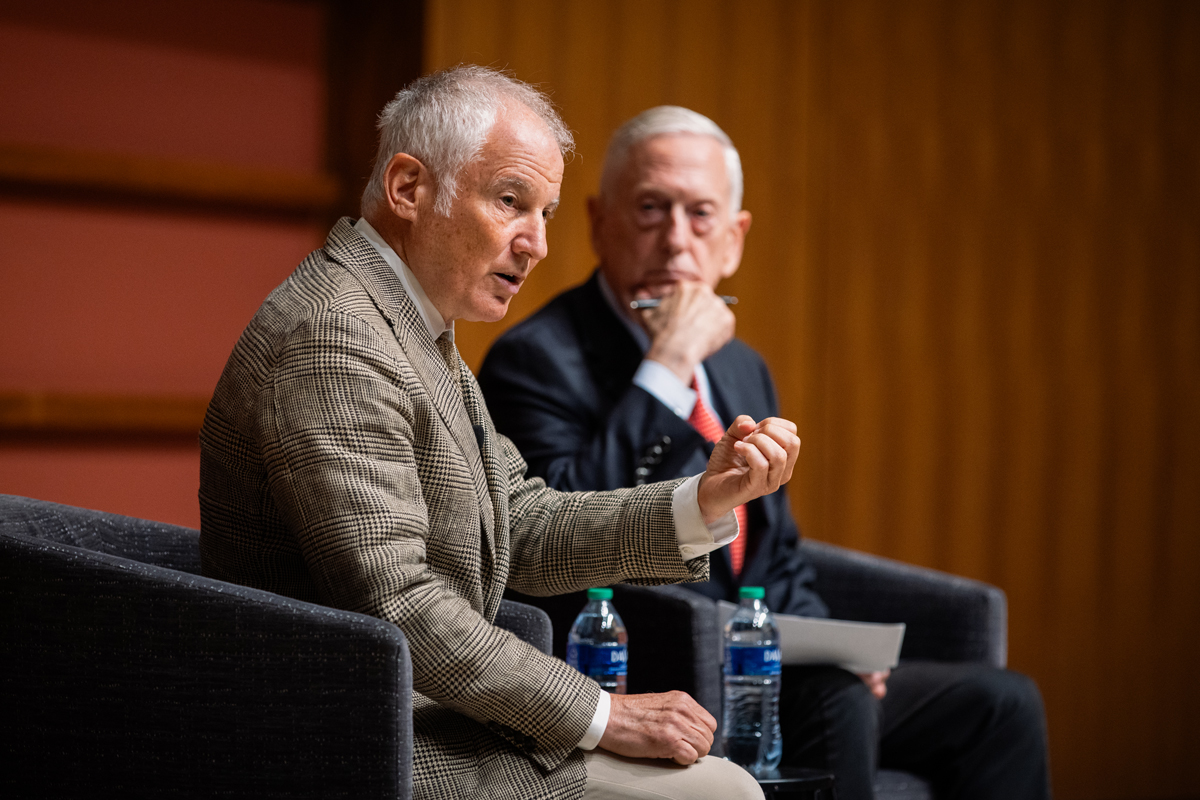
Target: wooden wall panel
(975,271)
(161,170)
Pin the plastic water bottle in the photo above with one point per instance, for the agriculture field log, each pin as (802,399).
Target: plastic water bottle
(752,672)
(598,645)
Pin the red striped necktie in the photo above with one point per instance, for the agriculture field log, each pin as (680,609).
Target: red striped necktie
(706,425)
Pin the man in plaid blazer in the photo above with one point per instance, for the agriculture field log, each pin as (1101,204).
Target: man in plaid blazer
(347,458)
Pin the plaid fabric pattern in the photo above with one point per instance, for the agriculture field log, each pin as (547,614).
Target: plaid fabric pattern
(341,462)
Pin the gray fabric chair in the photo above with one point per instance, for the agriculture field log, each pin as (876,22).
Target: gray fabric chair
(674,636)
(126,673)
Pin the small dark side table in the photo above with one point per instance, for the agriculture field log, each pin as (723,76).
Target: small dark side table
(797,783)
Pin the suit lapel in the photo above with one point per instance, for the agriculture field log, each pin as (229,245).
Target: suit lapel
(349,248)
(607,342)
(449,398)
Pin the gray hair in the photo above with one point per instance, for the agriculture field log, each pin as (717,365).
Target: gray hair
(443,120)
(661,121)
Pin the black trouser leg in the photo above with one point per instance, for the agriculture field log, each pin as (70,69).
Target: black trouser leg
(972,730)
(831,721)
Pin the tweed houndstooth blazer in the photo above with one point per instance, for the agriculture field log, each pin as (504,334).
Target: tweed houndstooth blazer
(342,464)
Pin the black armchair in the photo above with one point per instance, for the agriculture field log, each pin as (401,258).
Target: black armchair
(126,672)
(674,636)
(948,618)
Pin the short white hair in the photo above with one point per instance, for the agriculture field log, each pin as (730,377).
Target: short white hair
(443,120)
(663,121)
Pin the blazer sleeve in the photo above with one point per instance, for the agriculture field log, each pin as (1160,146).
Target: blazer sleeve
(344,440)
(621,536)
(579,431)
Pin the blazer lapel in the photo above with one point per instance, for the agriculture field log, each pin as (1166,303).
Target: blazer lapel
(493,502)
(449,399)
(347,246)
(606,341)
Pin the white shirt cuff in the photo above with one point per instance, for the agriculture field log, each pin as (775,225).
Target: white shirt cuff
(665,385)
(599,723)
(694,537)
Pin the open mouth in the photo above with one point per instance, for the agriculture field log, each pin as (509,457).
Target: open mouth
(512,279)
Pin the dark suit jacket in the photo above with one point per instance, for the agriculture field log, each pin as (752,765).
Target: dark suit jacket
(342,463)
(560,386)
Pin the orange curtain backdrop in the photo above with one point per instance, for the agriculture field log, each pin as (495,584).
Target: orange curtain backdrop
(975,271)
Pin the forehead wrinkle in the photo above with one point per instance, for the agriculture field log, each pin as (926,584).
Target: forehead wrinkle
(654,166)
(689,195)
(521,186)
(515,164)
(513,182)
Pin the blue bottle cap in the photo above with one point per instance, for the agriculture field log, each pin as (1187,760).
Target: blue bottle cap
(600,594)
(753,592)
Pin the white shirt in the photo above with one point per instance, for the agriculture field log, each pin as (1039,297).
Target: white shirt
(694,537)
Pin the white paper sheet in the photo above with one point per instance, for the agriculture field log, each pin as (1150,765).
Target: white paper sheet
(856,646)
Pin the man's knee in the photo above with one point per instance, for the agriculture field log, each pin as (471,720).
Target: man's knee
(739,783)
(831,721)
(613,777)
(841,698)
(851,693)
(1008,698)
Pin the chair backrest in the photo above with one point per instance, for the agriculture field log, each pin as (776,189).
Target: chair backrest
(134,679)
(141,540)
(527,622)
(948,617)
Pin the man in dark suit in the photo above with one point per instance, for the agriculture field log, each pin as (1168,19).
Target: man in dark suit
(598,395)
(347,458)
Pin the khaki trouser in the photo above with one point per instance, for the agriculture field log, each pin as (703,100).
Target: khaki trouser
(613,777)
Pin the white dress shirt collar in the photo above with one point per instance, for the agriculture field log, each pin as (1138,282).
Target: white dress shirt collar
(429,314)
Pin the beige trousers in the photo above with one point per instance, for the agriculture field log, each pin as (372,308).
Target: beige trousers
(613,777)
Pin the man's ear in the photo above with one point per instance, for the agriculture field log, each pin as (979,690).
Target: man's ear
(406,182)
(595,212)
(738,230)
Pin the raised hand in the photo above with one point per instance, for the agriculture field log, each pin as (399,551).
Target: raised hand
(751,460)
(690,325)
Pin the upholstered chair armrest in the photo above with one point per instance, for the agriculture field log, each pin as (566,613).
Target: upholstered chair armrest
(527,622)
(151,682)
(948,618)
(144,540)
(674,641)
